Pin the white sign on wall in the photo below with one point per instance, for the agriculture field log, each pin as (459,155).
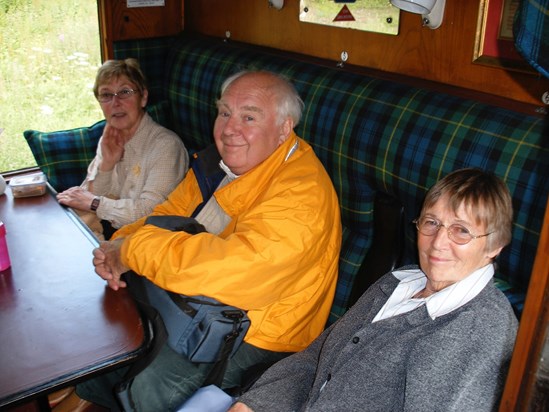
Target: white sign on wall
(144,3)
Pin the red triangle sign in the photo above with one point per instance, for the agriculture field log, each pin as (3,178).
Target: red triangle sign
(344,15)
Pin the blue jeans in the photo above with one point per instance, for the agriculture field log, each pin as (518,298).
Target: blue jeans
(171,379)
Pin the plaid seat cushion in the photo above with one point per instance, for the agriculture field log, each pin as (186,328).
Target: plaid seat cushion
(64,155)
(377,135)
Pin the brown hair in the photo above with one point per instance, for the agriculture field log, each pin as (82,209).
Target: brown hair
(484,194)
(114,69)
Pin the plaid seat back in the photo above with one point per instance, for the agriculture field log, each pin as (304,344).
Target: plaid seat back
(151,54)
(376,135)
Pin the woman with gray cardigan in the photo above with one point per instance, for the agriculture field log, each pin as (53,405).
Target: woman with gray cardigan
(437,337)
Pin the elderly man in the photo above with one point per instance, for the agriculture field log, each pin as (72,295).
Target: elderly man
(271,247)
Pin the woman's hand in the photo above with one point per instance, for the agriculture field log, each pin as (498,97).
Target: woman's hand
(112,148)
(240,407)
(76,197)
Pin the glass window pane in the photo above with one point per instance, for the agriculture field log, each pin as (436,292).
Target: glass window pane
(47,72)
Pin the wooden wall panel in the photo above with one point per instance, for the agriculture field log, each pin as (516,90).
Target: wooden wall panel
(533,326)
(442,55)
(118,22)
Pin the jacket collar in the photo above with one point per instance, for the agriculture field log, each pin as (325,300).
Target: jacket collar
(243,190)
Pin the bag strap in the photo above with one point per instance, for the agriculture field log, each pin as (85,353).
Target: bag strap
(158,332)
(215,377)
(183,303)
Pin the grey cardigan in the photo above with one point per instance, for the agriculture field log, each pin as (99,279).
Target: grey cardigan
(457,362)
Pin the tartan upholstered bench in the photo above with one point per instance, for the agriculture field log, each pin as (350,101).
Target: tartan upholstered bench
(383,142)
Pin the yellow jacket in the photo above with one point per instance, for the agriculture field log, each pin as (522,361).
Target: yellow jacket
(277,258)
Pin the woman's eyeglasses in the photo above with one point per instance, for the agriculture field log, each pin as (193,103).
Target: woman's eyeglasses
(121,94)
(457,233)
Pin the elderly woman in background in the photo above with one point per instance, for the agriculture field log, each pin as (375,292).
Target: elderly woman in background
(138,162)
(434,337)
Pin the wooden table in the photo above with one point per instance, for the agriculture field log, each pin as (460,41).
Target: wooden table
(59,323)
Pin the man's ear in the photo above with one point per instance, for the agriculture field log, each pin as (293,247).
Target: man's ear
(286,129)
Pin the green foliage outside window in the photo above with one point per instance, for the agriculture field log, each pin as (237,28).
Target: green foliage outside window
(49,56)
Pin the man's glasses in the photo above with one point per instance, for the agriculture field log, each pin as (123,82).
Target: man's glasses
(121,94)
(457,233)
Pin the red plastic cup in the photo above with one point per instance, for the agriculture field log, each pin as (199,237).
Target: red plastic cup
(4,254)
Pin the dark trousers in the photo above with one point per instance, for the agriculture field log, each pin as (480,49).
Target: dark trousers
(171,379)
(108,230)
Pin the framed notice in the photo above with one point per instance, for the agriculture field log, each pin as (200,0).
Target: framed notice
(494,43)
(377,16)
(144,3)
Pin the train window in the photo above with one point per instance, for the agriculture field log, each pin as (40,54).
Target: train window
(46,72)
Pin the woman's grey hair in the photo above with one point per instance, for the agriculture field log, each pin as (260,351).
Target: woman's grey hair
(114,69)
(484,195)
(289,103)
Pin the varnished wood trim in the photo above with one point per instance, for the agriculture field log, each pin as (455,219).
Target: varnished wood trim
(533,324)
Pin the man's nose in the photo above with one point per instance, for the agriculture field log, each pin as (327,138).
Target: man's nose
(231,125)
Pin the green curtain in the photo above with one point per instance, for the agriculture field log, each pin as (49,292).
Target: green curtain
(531,33)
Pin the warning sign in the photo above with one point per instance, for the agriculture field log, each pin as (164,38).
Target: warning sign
(344,15)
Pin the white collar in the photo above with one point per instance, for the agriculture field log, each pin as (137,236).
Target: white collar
(232,176)
(227,171)
(292,150)
(439,303)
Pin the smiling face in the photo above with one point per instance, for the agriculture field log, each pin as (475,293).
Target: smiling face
(247,129)
(443,261)
(123,114)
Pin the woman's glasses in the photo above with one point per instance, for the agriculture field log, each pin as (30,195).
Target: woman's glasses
(457,233)
(121,94)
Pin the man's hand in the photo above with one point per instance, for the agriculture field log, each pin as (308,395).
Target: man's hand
(108,264)
(240,407)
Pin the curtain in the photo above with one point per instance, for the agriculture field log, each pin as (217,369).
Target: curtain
(531,33)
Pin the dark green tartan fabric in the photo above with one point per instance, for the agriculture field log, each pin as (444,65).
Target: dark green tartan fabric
(64,155)
(373,135)
(151,54)
(531,33)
